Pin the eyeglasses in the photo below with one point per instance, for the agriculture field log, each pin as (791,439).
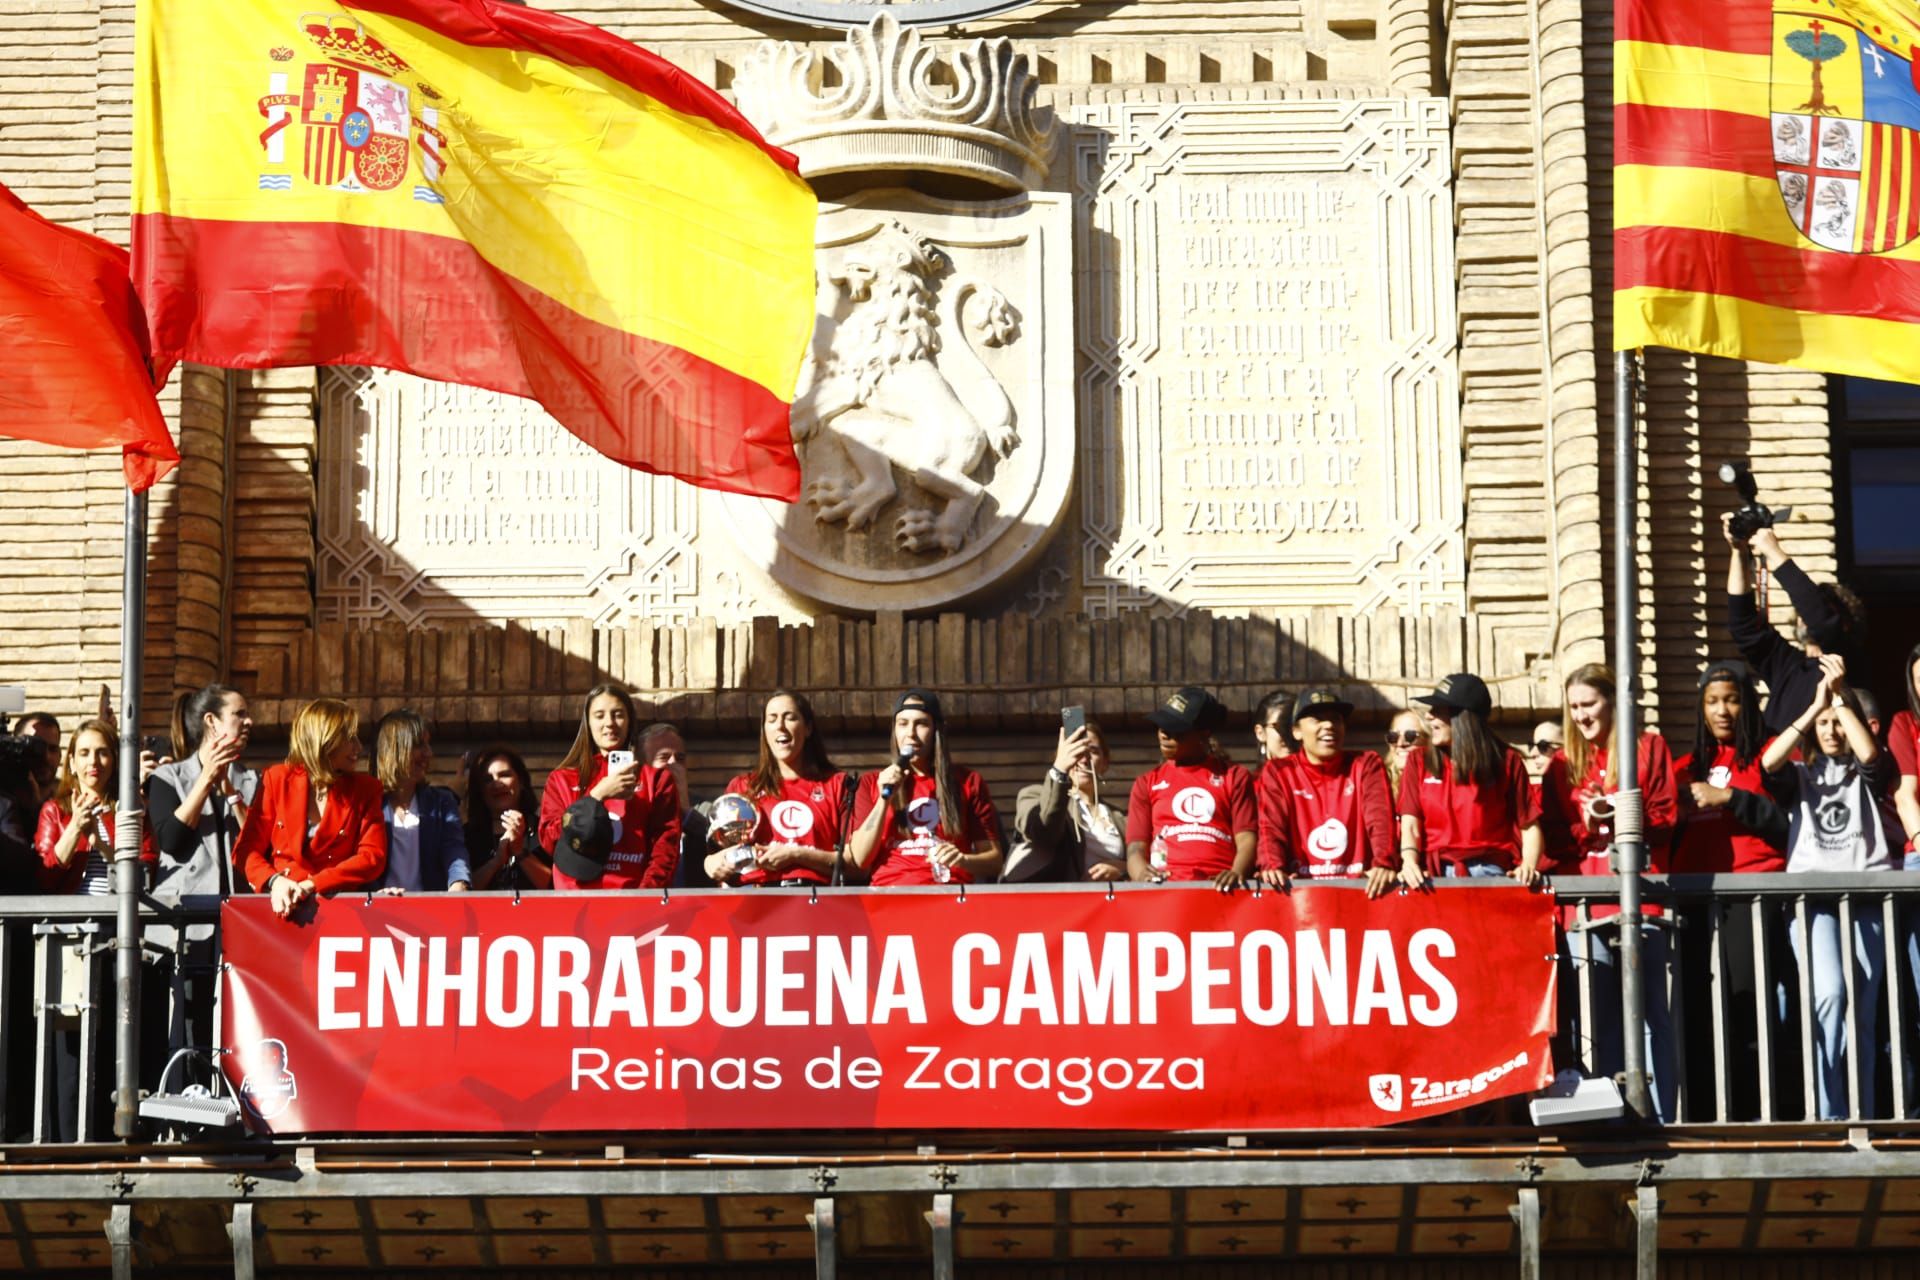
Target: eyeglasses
(1545,747)
(1404,738)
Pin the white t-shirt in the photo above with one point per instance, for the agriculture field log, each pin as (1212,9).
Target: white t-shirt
(403,851)
(1101,839)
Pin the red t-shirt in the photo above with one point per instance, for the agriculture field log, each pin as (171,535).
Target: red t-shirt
(1326,821)
(907,838)
(646,827)
(1195,810)
(1903,739)
(1710,839)
(1464,822)
(807,812)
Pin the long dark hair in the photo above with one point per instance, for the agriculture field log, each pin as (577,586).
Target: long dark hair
(1906,675)
(580,755)
(1478,755)
(478,817)
(946,786)
(191,707)
(815,765)
(1749,734)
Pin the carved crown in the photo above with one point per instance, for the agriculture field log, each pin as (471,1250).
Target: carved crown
(343,38)
(886,100)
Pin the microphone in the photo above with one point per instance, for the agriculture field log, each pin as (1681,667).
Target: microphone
(905,762)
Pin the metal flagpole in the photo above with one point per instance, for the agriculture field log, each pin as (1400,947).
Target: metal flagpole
(1628,821)
(127,871)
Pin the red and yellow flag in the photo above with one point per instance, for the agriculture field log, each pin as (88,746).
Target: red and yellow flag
(482,193)
(1767,182)
(75,370)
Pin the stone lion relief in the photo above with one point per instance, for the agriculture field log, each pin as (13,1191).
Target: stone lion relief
(933,417)
(876,387)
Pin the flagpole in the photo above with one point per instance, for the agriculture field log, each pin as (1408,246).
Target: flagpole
(1628,819)
(127,871)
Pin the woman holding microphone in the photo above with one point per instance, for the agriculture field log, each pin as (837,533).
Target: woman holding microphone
(924,819)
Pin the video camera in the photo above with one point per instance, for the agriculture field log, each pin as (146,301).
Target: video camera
(1752,515)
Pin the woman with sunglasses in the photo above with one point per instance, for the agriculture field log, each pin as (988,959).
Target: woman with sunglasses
(1466,806)
(1406,735)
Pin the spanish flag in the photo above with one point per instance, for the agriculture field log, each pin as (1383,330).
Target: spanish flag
(481,193)
(75,371)
(1767,182)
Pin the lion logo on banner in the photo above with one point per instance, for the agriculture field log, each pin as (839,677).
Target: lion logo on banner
(1845,127)
(354,108)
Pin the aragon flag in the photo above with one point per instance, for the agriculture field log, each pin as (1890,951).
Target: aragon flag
(1767,181)
(476,192)
(75,368)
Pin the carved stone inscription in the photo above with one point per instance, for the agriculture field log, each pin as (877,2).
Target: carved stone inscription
(1270,402)
(441,501)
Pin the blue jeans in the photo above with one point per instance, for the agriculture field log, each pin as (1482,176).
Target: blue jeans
(1478,868)
(1607,1035)
(1827,980)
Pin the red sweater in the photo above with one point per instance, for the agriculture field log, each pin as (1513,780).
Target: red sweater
(646,824)
(1581,849)
(347,851)
(1326,821)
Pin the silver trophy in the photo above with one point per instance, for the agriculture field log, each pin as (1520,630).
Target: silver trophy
(731,828)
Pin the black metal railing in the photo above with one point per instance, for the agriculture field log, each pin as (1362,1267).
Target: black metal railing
(1745,1031)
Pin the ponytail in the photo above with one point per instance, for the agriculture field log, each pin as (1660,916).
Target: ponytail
(191,707)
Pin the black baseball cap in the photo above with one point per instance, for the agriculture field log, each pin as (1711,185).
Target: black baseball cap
(1321,704)
(1731,669)
(1463,691)
(1191,708)
(586,838)
(919,700)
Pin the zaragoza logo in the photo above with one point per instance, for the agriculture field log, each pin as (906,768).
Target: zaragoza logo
(1845,120)
(354,108)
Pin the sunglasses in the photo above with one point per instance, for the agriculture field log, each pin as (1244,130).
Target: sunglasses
(1545,747)
(1404,738)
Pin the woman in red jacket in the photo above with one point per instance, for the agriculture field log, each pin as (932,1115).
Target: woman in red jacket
(640,799)
(1576,801)
(1326,812)
(75,832)
(1467,807)
(316,825)
(803,803)
(924,819)
(1730,823)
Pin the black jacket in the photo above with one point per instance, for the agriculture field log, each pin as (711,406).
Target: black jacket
(1790,675)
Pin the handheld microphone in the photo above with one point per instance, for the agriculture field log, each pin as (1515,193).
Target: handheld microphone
(905,762)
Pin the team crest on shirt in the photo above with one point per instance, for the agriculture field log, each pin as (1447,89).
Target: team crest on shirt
(791,819)
(347,120)
(1194,804)
(1328,841)
(1845,125)
(924,813)
(1719,776)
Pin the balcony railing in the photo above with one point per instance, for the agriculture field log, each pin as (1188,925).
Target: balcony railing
(1742,1042)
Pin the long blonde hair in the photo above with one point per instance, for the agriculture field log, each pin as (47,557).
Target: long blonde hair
(69,780)
(318,730)
(1597,676)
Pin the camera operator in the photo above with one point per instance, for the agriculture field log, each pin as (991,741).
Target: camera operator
(1831,621)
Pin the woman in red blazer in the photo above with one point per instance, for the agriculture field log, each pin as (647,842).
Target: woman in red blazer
(316,825)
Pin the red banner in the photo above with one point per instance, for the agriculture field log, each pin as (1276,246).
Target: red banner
(1151,1009)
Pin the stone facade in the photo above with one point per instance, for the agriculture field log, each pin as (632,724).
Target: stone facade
(1314,303)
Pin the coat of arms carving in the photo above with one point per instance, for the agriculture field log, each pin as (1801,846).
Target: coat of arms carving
(934,415)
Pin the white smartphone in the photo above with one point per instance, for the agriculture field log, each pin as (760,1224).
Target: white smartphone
(618,760)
